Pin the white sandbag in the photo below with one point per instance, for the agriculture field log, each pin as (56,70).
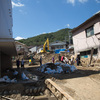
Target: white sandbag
(13,80)
(7,79)
(24,77)
(15,73)
(2,80)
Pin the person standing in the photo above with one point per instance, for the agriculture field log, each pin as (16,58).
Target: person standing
(72,61)
(17,63)
(66,60)
(53,59)
(59,57)
(78,60)
(40,60)
(22,63)
(62,59)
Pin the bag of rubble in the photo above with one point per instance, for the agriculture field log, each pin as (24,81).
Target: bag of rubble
(54,71)
(59,69)
(49,71)
(70,68)
(24,77)
(73,68)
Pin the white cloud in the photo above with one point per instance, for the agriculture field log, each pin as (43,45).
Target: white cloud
(44,33)
(17,4)
(82,1)
(67,25)
(71,1)
(19,38)
(98,1)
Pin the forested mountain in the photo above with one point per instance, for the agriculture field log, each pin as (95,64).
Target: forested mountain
(60,35)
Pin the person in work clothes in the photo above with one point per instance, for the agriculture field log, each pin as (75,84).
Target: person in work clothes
(78,60)
(22,63)
(59,57)
(40,60)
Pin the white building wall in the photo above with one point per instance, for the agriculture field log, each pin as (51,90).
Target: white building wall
(34,49)
(97,27)
(5,19)
(81,42)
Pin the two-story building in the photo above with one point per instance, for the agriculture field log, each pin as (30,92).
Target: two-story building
(57,46)
(7,44)
(87,36)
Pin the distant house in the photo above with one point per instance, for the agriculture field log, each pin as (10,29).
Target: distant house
(39,49)
(87,36)
(71,49)
(21,48)
(33,49)
(57,45)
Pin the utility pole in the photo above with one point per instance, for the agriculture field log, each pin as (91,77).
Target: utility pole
(65,39)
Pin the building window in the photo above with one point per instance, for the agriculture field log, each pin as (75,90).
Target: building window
(88,52)
(61,46)
(89,31)
(52,47)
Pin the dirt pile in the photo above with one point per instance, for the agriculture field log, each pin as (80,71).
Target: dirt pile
(85,62)
(47,57)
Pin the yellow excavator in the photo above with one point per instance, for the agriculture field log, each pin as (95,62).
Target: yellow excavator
(45,46)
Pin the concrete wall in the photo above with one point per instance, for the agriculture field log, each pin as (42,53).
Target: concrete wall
(81,42)
(7,45)
(5,19)
(6,62)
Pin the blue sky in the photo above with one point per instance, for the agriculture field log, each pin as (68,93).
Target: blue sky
(35,17)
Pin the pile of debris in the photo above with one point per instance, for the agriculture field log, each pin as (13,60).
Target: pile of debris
(86,61)
(56,68)
(13,76)
(47,57)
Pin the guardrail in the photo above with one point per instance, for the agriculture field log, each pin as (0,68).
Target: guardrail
(59,93)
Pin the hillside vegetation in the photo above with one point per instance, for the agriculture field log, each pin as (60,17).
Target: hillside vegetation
(40,39)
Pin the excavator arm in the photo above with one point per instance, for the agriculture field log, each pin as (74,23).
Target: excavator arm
(44,46)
